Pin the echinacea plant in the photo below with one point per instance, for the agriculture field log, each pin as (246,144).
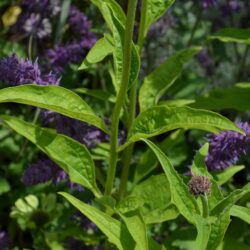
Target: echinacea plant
(124,211)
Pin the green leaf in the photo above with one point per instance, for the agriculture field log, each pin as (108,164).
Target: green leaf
(4,186)
(102,48)
(155,9)
(242,213)
(137,228)
(224,176)
(54,98)
(116,232)
(155,196)
(97,93)
(170,145)
(72,156)
(225,98)
(161,119)
(203,229)
(230,200)
(180,195)
(116,19)
(218,230)
(157,82)
(232,35)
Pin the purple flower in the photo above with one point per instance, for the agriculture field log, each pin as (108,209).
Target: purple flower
(78,22)
(205,61)
(62,55)
(226,147)
(4,242)
(46,170)
(16,72)
(230,7)
(36,17)
(37,26)
(208,3)
(80,131)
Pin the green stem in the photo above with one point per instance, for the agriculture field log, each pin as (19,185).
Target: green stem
(127,156)
(30,47)
(121,95)
(205,206)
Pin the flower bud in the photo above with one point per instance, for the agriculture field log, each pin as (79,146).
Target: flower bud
(199,185)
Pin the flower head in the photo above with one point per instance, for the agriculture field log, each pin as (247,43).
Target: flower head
(226,147)
(199,185)
(16,72)
(46,170)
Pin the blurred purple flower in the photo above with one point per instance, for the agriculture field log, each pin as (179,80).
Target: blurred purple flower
(78,22)
(46,170)
(36,17)
(80,131)
(205,61)
(16,72)
(230,7)
(62,55)
(208,3)
(4,241)
(36,26)
(226,147)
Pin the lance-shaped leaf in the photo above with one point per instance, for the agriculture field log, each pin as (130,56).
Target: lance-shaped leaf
(157,82)
(116,19)
(116,232)
(225,175)
(180,195)
(154,10)
(203,233)
(160,119)
(155,196)
(72,156)
(102,48)
(230,200)
(242,213)
(235,97)
(54,98)
(218,230)
(137,228)
(232,35)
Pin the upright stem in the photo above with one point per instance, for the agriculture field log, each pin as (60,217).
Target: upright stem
(30,47)
(205,206)
(132,107)
(121,95)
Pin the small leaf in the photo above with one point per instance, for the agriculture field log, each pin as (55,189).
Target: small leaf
(218,230)
(97,93)
(160,119)
(242,213)
(155,9)
(102,48)
(54,98)
(230,200)
(116,19)
(116,232)
(232,35)
(225,98)
(72,156)
(137,228)
(4,186)
(180,195)
(203,229)
(154,193)
(157,82)
(224,176)
(170,145)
